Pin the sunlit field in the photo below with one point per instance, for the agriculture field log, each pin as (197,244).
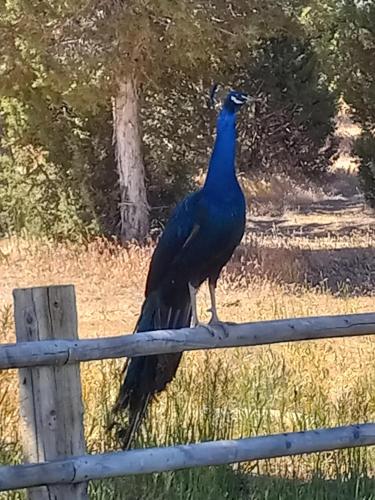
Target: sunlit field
(278,272)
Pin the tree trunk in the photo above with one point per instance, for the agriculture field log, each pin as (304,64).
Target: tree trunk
(129,160)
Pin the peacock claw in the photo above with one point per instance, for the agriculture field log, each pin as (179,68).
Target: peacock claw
(211,331)
(210,328)
(216,323)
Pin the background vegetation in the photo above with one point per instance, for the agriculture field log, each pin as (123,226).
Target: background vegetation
(59,66)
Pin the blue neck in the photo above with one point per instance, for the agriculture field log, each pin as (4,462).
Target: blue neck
(221,170)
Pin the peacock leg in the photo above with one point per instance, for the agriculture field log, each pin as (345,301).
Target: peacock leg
(193,299)
(214,316)
(214,320)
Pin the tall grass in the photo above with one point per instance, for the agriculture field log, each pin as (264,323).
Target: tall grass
(216,395)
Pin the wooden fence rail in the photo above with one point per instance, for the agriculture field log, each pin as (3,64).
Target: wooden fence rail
(62,352)
(48,353)
(86,467)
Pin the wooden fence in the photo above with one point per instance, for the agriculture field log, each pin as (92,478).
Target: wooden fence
(48,353)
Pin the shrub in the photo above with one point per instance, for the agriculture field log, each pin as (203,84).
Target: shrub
(292,129)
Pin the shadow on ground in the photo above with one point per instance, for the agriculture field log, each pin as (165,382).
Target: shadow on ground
(331,247)
(344,271)
(332,217)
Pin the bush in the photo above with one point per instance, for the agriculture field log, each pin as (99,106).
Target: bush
(345,36)
(176,143)
(292,129)
(49,172)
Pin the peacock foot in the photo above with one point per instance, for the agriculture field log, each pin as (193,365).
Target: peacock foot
(216,325)
(212,330)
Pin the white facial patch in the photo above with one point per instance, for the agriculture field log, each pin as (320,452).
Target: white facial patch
(235,100)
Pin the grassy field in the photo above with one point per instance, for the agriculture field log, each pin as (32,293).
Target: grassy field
(298,264)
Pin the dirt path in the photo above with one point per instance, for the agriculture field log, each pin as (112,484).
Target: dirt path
(329,243)
(333,216)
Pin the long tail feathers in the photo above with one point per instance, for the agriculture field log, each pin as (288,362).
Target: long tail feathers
(144,376)
(127,435)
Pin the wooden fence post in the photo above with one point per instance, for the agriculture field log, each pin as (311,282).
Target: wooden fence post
(50,397)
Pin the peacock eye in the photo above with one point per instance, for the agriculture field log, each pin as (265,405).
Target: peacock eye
(236,100)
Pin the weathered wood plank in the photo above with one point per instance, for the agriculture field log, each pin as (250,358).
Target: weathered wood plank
(61,352)
(179,457)
(50,397)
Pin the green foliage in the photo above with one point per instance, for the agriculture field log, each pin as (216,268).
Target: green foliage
(355,49)
(53,178)
(294,119)
(60,64)
(292,76)
(357,82)
(343,33)
(176,142)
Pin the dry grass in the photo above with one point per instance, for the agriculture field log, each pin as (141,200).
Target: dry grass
(278,194)
(278,272)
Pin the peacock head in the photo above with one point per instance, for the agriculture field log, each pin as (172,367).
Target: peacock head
(235,100)
(232,102)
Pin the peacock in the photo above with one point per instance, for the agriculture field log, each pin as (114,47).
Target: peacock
(197,242)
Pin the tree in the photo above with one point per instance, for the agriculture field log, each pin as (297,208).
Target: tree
(293,123)
(344,34)
(77,57)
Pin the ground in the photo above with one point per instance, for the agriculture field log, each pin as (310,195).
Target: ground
(313,254)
